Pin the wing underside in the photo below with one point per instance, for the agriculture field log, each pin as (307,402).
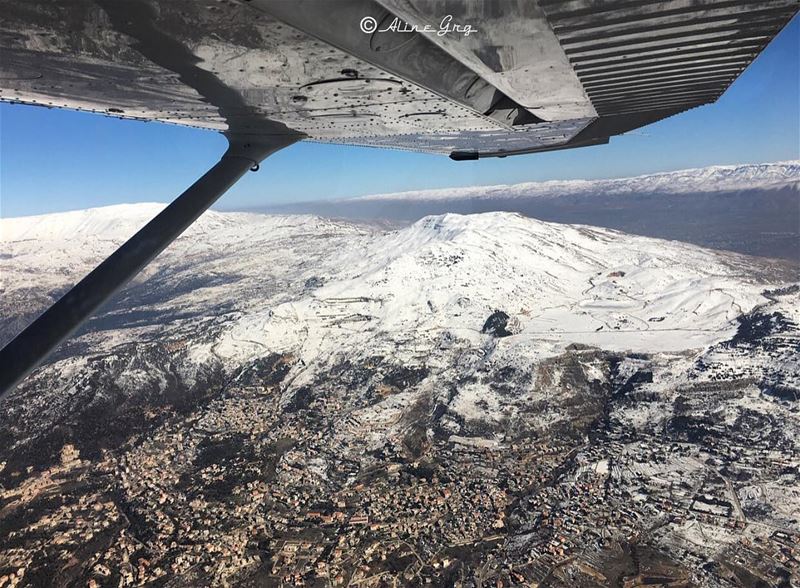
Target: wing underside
(531,76)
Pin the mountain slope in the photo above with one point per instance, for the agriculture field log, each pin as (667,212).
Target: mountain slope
(468,399)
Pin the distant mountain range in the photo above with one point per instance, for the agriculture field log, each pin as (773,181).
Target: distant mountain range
(718,178)
(752,209)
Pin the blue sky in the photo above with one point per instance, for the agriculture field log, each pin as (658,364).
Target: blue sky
(53,160)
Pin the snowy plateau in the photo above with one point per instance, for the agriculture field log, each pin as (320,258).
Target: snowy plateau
(470,400)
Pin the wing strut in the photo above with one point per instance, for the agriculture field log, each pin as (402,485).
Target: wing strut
(31,346)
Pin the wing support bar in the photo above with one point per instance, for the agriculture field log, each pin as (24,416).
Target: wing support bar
(31,346)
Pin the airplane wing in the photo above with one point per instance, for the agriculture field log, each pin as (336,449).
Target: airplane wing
(407,74)
(468,79)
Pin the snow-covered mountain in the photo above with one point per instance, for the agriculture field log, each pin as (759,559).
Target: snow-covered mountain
(563,284)
(278,385)
(718,178)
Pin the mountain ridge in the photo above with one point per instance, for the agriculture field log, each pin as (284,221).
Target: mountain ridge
(416,270)
(718,178)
